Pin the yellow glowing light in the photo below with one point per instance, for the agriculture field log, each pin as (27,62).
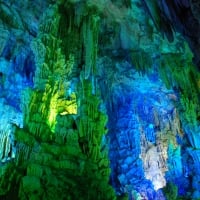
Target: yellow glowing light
(70,106)
(53,112)
(67,106)
(64,113)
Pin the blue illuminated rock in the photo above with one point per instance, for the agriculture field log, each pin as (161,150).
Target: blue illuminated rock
(92,60)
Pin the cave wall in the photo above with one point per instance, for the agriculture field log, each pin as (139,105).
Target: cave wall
(98,101)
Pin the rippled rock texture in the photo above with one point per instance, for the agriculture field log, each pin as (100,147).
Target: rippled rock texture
(99,100)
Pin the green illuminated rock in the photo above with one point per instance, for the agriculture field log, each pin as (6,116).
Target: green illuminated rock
(59,148)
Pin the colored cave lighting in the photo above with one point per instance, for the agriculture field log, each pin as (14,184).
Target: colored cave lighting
(145,132)
(68,106)
(53,111)
(7,150)
(154,172)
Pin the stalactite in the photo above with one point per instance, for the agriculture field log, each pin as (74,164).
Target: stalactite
(90,38)
(10,16)
(60,136)
(7,149)
(61,141)
(4,38)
